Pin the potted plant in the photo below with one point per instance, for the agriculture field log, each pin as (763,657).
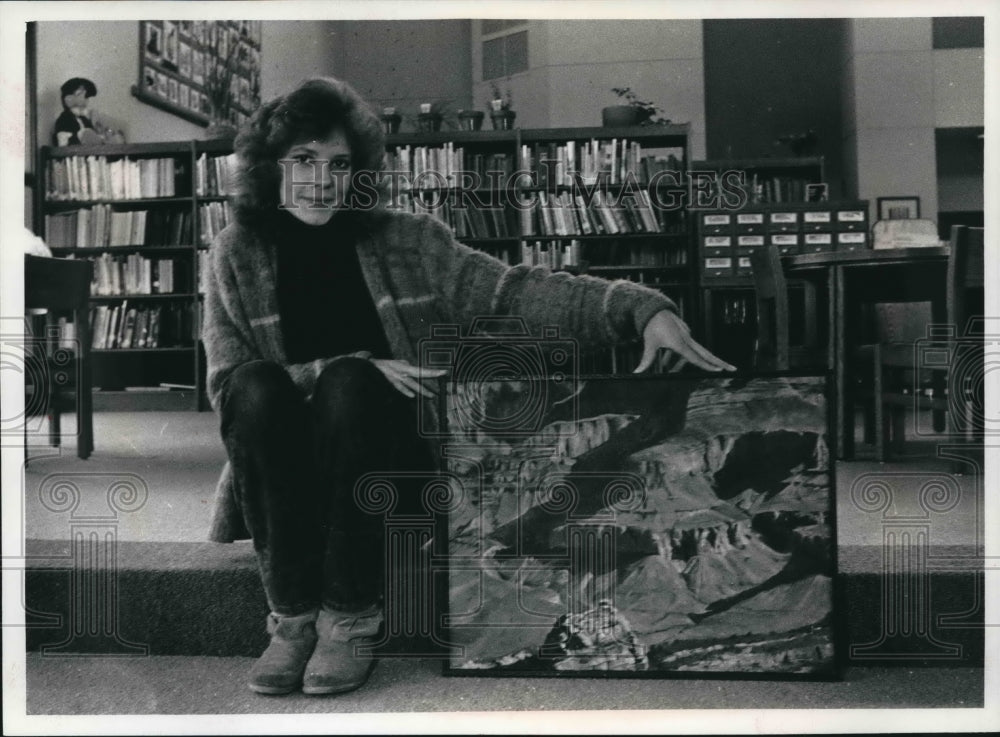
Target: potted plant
(632,111)
(218,90)
(391,120)
(432,116)
(500,106)
(471,120)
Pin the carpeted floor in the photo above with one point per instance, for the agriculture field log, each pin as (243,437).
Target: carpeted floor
(174,459)
(177,457)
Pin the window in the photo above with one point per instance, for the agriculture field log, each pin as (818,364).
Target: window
(504,52)
(957,33)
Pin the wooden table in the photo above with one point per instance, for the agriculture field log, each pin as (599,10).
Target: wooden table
(854,279)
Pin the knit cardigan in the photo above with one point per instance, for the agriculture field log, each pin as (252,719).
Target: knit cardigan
(419,276)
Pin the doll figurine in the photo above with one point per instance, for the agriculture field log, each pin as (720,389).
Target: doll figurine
(74,125)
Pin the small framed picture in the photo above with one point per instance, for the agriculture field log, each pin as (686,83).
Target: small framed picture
(161,84)
(898,208)
(154,41)
(198,67)
(817,193)
(184,60)
(170,45)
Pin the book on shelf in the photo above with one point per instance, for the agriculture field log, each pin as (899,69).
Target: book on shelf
(97,178)
(552,254)
(614,161)
(214,175)
(101,226)
(213,217)
(118,275)
(124,326)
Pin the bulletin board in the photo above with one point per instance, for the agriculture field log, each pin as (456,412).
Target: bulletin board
(186,66)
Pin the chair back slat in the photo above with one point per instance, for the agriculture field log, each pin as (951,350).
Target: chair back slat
(966,275)
(772,309)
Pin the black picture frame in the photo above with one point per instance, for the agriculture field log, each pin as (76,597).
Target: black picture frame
(898,208)
(183,52)
(522,595)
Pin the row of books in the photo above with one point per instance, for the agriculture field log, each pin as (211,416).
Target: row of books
(465,222)
(100,226)
(214,175)
(567,255)
(761,189)
(116,275)
(614,161)
(776,189)
(97,178)
(212,218)
(545,165)
(566,214)
(554,254)
(551,214)
(429,167)
(141,326)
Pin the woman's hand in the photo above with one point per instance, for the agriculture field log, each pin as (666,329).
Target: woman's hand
(407,378)
(666,330)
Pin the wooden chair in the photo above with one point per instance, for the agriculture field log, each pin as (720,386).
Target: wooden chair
(773,351)
(898,369)
(63,286)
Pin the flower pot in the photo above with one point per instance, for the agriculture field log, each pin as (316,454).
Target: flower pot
(618,116)
(471,120)
(391,122)
(429,122)
(503,120)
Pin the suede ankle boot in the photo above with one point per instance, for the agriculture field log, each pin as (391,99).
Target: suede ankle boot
(279,670)
(335,667)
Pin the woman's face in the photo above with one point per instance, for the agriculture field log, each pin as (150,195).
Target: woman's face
(315,178)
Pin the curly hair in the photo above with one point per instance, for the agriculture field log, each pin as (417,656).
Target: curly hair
(312,110)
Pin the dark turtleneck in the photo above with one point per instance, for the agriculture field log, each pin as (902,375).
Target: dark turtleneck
(325,307)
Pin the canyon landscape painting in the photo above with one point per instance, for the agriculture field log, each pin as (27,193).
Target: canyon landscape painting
(641,525)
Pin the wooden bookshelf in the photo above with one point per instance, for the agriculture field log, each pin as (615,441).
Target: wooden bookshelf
(556,221)
(137,212)
(765,180)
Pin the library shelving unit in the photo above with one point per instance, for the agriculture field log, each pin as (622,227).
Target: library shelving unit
(623,217)
(768,180)
(140,213)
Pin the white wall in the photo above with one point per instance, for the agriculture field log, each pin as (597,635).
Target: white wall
(898,90)
(575,63)
(405,63)
(107,52)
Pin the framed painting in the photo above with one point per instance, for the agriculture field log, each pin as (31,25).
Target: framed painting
(898,208)
(652,526)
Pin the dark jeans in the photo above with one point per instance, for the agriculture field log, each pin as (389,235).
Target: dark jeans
(295,463)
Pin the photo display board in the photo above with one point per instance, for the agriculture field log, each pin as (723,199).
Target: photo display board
(185,66)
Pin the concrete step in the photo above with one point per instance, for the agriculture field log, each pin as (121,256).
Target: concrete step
(168,685)
(205,599)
